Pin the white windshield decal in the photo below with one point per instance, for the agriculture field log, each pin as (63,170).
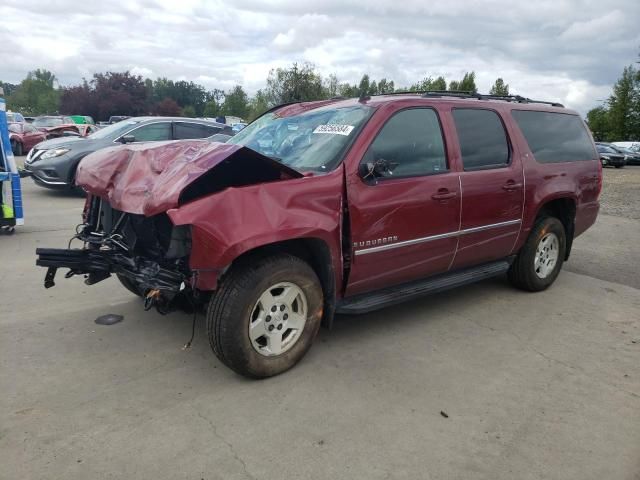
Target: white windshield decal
(334,129)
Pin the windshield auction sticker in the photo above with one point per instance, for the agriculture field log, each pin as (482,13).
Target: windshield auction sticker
(334,129)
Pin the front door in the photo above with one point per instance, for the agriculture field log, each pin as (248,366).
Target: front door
(492,187)
(404,214)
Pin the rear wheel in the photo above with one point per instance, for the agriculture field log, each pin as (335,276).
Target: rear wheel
(540,259)
(619,166)
(265,315)
(16,148)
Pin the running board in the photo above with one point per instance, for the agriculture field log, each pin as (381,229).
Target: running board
(367,302)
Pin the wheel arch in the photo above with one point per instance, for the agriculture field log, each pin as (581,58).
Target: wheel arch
(314,251)
(564,209)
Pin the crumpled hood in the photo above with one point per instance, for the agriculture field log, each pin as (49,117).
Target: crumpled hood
(152,178)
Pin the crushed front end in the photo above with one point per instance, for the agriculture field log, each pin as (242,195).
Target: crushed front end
(148,254)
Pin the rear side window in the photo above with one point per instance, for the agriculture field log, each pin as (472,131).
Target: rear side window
(153,132)
(411,140)
(555,137)
(185,130)
(483,141)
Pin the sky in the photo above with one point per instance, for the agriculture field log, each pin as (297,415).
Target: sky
(569,51)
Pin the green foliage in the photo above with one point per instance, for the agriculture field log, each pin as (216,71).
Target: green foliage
(35,95)
(295,84)
(598,122)
(168,107)
(619,119)
(429,83)
(258,105)
(236,103)
(499,88)
(189,111)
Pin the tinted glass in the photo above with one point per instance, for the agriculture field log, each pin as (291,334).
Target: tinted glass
(483,141)
(153,132)
(184,130)
(555,137)
(412,142)
(604,149)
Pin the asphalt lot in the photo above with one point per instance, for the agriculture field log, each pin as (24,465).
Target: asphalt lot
(534,385)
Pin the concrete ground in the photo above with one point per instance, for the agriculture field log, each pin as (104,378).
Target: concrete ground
(481,382)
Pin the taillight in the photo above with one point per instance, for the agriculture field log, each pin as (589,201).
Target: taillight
(599,179)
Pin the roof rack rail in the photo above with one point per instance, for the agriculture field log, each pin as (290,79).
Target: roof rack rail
(481,96)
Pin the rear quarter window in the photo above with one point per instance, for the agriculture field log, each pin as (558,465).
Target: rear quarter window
(555,137)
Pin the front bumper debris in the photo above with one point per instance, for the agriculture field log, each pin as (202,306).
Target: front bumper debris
(99,265)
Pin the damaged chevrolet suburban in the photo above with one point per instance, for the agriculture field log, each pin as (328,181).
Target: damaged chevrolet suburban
(336,206)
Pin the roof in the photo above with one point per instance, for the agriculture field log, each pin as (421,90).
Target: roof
(466,98)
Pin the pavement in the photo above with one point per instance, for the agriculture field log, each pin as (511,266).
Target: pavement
(481,382)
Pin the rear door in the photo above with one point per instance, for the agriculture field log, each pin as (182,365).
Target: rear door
(403,222)
(492,185)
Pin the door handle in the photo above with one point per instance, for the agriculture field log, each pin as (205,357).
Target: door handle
(443,194)
(511,186)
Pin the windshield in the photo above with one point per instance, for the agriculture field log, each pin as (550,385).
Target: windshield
(47,122)
(115,130)
(312,140)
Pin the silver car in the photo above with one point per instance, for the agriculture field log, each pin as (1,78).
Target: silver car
(53,163)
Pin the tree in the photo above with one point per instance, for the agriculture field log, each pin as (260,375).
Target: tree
(8,88)
(499,88)
(236,102)
(258,105)
(598,122)
(168,108)
(331,86)
(295,84)
(623,113)
(468,83)
(386,86)
(213,107)
(79,100)
(36,94)
(429,84)
(119,93)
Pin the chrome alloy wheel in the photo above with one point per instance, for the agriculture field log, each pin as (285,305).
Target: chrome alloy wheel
(278,319)
(546,255)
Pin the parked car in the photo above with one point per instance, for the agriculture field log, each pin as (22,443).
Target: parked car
(54,125)
(15,117)
(23,136)
(630,157)
(117,118)
(336,206)
(610,156)
(238,126)
(82,119)
(635,146)
(53,163)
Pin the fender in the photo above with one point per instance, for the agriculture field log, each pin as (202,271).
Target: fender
(227,224)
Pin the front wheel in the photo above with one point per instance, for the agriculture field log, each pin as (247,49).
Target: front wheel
(540,259)
(265,315)
(619,166)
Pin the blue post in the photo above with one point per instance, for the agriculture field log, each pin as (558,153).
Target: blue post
(11,200)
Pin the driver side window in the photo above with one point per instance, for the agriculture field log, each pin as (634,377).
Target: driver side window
(410,143)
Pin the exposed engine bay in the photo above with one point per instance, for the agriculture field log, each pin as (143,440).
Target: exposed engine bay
(149,253)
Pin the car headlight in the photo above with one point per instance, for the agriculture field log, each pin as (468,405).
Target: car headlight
(54,152)
(604,157)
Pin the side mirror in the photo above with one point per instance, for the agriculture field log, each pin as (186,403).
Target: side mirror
(127,139)
(380,168)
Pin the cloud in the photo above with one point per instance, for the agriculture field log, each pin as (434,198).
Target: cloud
(565,50)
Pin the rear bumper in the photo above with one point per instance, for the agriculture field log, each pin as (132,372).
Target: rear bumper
(98,265)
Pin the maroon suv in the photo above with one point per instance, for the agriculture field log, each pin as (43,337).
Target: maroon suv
(337,206)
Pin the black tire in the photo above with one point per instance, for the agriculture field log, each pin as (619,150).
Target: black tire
(129,285)
(17,149)
(522,273)
(619,166)
(231,308)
